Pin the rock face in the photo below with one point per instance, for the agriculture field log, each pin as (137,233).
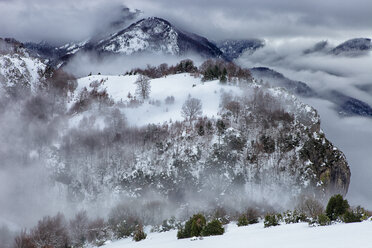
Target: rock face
(328,163)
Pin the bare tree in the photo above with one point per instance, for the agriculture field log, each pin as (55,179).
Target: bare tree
(191,109)
(23,240)
(234,108)
(143,87)
(310,206)
(79,228)
(51,232)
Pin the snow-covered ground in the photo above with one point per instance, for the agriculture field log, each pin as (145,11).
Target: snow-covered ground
(180,86)
(255,236)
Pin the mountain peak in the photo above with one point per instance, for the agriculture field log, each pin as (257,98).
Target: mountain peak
(150,34)
(157,36)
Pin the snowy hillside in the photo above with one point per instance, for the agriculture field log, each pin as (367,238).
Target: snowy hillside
(180,86)
(18,68)
(156,35)
(249,137)
(148,36)
(255,236)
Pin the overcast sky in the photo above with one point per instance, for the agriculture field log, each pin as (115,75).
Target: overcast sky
(218,19)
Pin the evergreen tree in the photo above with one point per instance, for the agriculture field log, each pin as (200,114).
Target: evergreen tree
(336,207)
(223,78)
(213,228)
(209,127)
(201,130)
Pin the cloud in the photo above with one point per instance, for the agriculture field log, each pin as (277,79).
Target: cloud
(76,20)
(84,63)
(265,18)
(59,21)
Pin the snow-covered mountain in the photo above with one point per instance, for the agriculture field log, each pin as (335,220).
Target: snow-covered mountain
(156,35)
(148,36)
(18,68)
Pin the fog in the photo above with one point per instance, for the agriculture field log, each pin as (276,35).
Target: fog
(59,22)
(86,63)
(63,21)
(351,76)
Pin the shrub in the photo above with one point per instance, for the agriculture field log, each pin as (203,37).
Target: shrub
(272,220)
(193,227)
(23,240)
(221,215)
(51,232)
(350,216)
(243,221)
(97,231)
(252,216)
(294,217)
(310,207)
(249,218)
(139,234)
(125,228)
(213,228)
(123,221)
(357,214)
(78,229)
(167,225)
(323,220)
(336,207)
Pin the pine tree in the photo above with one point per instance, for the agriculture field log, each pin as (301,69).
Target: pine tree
(336,207)
(223,78)
(201,130)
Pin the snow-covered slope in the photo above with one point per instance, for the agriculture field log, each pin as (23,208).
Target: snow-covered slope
(156,35)
(271,142)
(180,86)
(17,67)
(256,236)
(152,34)
(147,36)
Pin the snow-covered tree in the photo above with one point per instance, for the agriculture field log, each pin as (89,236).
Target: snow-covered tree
(143,87)
(191,109)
